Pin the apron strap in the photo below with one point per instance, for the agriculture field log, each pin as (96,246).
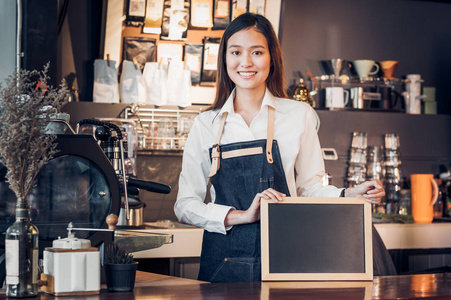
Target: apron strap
(215,152)
(270,133)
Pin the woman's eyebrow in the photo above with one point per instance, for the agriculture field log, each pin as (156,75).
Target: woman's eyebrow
(253,46)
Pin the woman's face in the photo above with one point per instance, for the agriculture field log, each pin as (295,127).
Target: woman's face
(248,59)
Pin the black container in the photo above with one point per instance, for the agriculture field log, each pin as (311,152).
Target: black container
(120,277)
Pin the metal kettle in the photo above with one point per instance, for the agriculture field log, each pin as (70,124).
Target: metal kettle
(136,218)
(302,93)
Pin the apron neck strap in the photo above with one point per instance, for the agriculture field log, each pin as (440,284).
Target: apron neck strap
(221,128)
(215,152)
(270,133)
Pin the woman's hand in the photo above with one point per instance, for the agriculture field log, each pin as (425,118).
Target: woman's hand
(252,214)
(372,191)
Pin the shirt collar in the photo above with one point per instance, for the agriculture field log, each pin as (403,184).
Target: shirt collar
(228,105)
(268,100)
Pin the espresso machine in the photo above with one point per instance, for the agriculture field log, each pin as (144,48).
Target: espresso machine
(118,139)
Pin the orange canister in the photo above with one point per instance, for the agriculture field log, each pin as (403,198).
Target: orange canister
(424,193)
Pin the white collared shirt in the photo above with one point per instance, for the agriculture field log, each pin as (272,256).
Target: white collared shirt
(300,151)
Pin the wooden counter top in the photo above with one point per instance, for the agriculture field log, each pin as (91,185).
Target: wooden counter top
(415,236)
(154,286)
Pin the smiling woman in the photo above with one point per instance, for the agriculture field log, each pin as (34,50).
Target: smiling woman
(252,144)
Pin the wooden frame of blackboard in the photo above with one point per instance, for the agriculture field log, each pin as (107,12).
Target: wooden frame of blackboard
(321,289)
(289,225)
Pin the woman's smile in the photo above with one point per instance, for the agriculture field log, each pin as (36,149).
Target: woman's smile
(247,74)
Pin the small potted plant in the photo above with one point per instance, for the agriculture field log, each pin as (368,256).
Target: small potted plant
(120,269)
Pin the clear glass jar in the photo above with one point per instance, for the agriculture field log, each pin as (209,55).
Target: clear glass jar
(438,205)
(405,203)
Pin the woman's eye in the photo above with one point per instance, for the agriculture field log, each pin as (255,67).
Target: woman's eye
(235,52)
(257,53)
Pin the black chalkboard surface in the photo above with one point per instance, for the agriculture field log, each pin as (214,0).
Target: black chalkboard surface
(316,239)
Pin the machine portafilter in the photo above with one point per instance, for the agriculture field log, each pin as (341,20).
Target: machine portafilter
(112,142)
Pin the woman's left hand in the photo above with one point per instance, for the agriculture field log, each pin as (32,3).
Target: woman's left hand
(372,191)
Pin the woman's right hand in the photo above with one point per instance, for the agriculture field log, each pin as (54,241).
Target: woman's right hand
(252,214)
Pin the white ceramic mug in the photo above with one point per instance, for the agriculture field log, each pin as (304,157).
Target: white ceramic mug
(364,67)
(336,97)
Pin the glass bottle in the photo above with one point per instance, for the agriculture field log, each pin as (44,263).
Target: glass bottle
(393,195)
(21,246)
(438,205)
(445,190)
(405,203)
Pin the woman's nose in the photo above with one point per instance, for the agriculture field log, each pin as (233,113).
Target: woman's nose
(246,60)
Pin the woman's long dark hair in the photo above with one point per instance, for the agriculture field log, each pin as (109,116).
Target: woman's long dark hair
(276,79)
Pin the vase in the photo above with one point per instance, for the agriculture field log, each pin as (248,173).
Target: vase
(21,251)
(120,277)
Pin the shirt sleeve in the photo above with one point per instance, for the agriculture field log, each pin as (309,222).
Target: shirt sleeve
(190,206)
(309,165)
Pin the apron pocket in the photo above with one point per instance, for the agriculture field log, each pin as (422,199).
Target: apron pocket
(266,183)
(238,269)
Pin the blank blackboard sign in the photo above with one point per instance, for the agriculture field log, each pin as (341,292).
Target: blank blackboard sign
(316,239)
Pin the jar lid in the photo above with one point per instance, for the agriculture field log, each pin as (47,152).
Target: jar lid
(71,242)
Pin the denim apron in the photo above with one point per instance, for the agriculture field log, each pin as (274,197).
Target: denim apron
(239,171)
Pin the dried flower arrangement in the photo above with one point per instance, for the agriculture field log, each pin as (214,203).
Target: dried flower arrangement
(117,254)
(26,103)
